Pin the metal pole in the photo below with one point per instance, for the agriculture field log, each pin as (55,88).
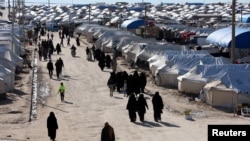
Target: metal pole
(110,11)
(145,23)
(89,12)
(233,33)
(145,19)
(241,15)
(13,22)
(12,42)
(9,9)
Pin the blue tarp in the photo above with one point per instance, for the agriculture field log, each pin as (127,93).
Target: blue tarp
(132,23)
(239,81)
(245,18)
(111,7)
(194,3)
(223,37)
(137,9)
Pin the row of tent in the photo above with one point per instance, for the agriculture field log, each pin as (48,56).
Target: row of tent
(10,60)
(215,80)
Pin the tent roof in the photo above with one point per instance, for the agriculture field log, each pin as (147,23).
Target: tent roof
(112,7)
(223,37)
(137,9)
(245,18)
(239,81)
(132,23)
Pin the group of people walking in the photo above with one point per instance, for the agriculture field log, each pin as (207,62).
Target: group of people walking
(131,85)
(58,67)
(139,105)
(128,84)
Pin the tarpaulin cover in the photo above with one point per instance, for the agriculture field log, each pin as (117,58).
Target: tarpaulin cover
(223,37)
(132,23)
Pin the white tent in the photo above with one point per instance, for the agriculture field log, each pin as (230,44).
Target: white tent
(158,48)
(126,40)
(111,33)
(9,55)
(95,32)
(108,45)
(17,49)
(232,89)
(181,64)
(131,51)
(167,55)
(8,78)
(8,64)
(193,81)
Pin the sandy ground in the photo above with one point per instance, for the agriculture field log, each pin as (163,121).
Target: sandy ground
(88,106)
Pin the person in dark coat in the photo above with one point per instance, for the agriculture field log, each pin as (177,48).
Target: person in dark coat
(61,63)
(119,81)
(88,54)
(143,81)
(58,65)
(136,82)
(157,106)
(58,48)
(108,61)
(77,41)
(112,83)
(125,75)
(40,52)
(101,61)
(132,107)
(68,41)
(50,68)
(52,126)
(97,54)
(52,36)
(87,51)
(108,133)
(142,105)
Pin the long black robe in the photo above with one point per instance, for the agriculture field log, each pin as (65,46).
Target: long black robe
(52,126)
(132,107)
(157,106)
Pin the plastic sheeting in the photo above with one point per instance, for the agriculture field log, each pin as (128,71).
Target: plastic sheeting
(230,90)
(7,77)
(245,18)
(9,55)
(108,44)
(160,60)
(223,37)
(132,23)
(180,65)
(239,81)
(203,74)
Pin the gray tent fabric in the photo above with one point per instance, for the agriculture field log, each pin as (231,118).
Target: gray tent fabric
(223,37)
(7,77)
(193,81)
(228,91)
(9,55)
(239,81)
